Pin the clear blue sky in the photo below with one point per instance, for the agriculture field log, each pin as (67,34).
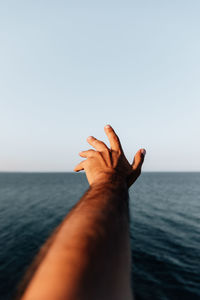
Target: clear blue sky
(67,68)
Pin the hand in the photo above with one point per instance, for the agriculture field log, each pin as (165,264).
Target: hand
(102,163)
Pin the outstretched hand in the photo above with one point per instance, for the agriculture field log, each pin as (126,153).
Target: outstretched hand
(103,162)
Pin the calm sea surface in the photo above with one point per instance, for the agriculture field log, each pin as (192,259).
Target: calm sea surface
(165,228)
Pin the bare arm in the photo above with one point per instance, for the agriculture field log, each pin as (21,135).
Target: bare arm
(89,255)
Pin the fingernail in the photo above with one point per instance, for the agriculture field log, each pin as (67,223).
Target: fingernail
(108,126)
(90,137)
(143,151)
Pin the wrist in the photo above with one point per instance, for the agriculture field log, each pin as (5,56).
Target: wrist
(110,178)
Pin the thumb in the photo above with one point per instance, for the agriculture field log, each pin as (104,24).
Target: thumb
(138,159)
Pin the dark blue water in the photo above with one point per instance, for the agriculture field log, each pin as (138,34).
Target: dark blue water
(165,228)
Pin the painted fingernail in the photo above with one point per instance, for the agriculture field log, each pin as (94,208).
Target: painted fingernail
(143,151)
(108,126)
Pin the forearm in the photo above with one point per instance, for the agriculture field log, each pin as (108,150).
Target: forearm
(90,252)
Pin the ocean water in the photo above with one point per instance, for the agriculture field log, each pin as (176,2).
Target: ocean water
(164,228)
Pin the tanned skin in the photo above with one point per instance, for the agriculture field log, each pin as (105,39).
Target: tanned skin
(88,257)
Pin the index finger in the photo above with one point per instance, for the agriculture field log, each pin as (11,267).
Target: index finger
(113,138)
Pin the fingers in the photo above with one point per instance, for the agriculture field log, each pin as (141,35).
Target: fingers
(88,153)
(98,145)
(79,167)
(138,159)
(85,154)
(113,138)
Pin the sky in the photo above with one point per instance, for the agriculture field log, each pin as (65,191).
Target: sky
(68,68)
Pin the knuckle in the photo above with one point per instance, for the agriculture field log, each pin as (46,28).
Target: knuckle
(107,151)
(98,154)
(119,152)
(115,137)
(101,144)
(115,155)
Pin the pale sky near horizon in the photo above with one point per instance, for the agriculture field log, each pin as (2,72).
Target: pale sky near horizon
(67,68)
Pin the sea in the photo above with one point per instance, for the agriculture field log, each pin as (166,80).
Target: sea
(164,228)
